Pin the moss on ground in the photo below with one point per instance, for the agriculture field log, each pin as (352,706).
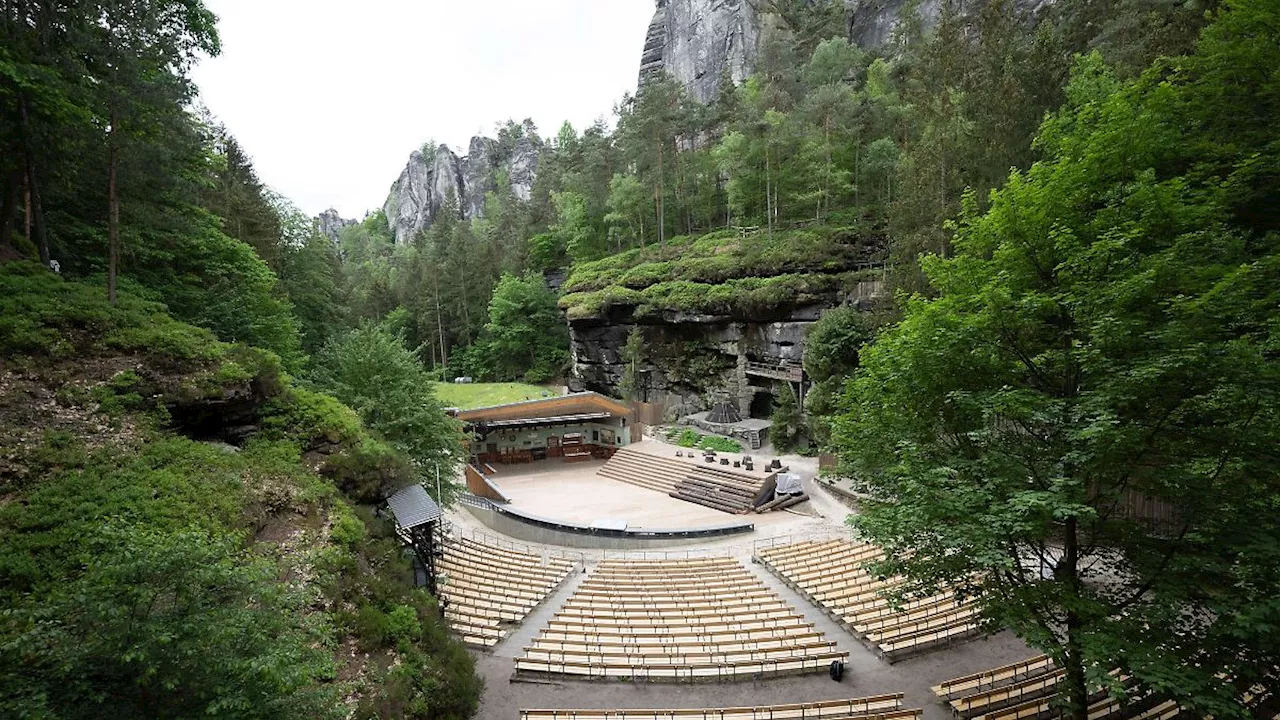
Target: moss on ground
(722,273)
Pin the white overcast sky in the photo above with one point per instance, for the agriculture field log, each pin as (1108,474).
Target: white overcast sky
(331,96)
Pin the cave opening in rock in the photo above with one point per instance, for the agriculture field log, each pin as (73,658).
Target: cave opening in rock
(762,403)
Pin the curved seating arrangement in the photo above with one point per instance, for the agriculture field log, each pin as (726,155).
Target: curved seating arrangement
(1025,690)
(881,707)
(488,588)
(831,574)
(676,620)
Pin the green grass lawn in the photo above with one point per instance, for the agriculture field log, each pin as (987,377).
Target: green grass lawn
(479,395)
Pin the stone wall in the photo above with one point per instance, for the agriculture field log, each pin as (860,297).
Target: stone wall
(690,358)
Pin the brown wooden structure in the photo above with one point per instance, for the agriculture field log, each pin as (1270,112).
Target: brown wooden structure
(574,427)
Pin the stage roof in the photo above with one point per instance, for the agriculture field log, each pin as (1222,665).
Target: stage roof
(554,409)
(557,420)
(412,506)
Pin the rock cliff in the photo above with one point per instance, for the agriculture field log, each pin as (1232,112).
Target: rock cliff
(698,42)
(714,315)
(690,359)
(872,23)
(432,175)
(330,224)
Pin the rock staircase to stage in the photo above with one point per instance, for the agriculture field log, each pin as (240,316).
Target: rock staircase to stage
(713,486)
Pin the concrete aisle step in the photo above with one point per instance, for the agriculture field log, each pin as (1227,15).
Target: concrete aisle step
(517,638)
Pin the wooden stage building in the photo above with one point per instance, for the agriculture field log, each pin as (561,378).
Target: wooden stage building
(572,427)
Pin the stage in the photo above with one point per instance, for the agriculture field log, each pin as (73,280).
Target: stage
(573,493)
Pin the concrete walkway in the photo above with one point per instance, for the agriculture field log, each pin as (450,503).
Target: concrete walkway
(514,643)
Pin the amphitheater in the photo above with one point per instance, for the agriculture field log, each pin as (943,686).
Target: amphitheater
(639,582)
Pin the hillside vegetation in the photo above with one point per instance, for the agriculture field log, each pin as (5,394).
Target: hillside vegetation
(728,272)
(147,573)
(478,395)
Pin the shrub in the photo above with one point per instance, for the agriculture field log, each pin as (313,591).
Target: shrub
(692,439)
(346,529)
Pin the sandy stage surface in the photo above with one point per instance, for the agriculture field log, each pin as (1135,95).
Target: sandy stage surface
(574,493)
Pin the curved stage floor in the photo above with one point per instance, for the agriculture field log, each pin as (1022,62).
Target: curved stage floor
(574,494)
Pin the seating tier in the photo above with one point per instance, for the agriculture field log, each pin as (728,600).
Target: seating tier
(645,620)
(486,588)
(1027,690)
(833,575)
(880,707)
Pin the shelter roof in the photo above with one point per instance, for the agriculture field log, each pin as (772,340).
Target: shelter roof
(412,506)
(554,409)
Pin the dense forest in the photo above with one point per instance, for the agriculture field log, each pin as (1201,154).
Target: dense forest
(1090,192)
(824,133)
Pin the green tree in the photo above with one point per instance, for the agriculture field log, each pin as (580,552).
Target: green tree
(310,275)
(831,348)
(142,50)
(240,200)
(581,240)
(525,337)
(787,420)
(370,370)
(633,354)
(170,625)
(628,208)
(647,132)
(1104,334)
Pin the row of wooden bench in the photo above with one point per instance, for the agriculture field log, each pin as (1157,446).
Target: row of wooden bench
(702,618)
(705,484)
(1027,689)
(879,707)
(833,575)
(487,588)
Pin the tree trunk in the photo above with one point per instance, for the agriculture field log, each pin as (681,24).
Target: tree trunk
(113,213)
(825,200)
(444,355)
(26,203)
(1076,691)
(662,224)
(35,210)
(768,191)
(9,207)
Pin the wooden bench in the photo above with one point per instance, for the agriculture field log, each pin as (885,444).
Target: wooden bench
(987,679)
(487,586)
(700,618)
(833,575)
(880,707)
(1001,697)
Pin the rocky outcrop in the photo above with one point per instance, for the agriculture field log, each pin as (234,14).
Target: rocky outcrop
(698,41)
(330,224)
(873,23)
(433,175)
(691,359)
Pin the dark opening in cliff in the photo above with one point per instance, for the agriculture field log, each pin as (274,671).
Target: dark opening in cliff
(762,403)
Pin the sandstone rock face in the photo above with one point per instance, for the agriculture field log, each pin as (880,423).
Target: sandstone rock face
(689,359)
(479,175)
(330,224)
(689,362)
(696,41)
(522,166)
(873,23)
(427,181)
